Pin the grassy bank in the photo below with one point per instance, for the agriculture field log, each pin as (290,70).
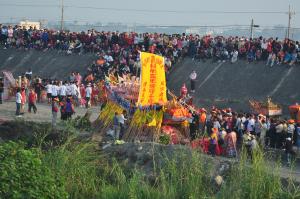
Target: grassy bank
(75,169)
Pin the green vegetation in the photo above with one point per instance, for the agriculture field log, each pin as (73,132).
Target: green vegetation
(24,174)
(164,139)
(75,169)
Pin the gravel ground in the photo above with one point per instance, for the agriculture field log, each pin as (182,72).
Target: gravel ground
(8,109)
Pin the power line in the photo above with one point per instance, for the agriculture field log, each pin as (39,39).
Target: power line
(28,5)
(180,11)
(146,10)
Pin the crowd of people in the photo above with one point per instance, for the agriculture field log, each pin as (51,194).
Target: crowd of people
(228,129)
(218,48)
(272,50)
(62,95)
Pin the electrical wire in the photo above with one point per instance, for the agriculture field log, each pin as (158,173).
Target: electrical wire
(145,10)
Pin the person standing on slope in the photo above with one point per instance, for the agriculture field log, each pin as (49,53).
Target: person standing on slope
(193,77)
(1,90)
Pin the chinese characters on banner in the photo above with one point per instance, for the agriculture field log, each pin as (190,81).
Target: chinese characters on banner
(153,80)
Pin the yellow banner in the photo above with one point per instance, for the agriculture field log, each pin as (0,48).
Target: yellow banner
(153,80)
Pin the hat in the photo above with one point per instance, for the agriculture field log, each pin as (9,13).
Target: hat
(289,139)
(56,99)
(291,121)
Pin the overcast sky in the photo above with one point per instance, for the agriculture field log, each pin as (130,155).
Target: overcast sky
(187,14)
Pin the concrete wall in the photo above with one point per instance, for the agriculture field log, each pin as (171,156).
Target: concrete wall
(221,84)
(47,64)
(232,85)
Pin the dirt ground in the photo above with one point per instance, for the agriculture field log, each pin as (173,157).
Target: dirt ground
(8,110)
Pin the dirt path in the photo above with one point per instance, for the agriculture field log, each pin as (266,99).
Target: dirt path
(8,109)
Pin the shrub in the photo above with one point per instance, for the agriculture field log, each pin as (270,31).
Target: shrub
(23,175)
(164,139)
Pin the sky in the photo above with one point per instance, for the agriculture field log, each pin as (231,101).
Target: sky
(183,12)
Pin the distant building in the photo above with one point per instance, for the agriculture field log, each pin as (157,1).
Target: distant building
(33,24)
(193,30)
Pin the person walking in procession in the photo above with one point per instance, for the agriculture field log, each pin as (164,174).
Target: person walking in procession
(23,101)
(32,97)
(88,93)
(54,111)
(49,91)
(213,140)
(18,102)
(69,109)
(122,120)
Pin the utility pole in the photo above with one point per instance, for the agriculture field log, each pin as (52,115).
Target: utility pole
(251,28)
(290,13)
(62,16)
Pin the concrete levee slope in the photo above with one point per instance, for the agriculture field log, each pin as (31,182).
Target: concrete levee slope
(221,84)
(233,85)
(50,64)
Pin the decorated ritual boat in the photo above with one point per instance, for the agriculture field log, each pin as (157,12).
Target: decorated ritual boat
(266,108)
(144,100)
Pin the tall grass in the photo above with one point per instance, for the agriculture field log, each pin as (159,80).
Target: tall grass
(87,173)
(78,165)
(255,179)
(90,175)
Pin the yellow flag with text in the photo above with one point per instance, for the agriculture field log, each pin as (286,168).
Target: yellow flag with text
(153,80)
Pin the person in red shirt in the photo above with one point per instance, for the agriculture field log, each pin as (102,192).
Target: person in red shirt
(95,93)
(82,93)
(32,97)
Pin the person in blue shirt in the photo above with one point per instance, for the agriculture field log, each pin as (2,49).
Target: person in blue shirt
(251,56)
(298,137)
(3,36)
(287,58)
(45,38)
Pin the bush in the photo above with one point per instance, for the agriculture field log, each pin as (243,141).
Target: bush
(164,139)
(23,175)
